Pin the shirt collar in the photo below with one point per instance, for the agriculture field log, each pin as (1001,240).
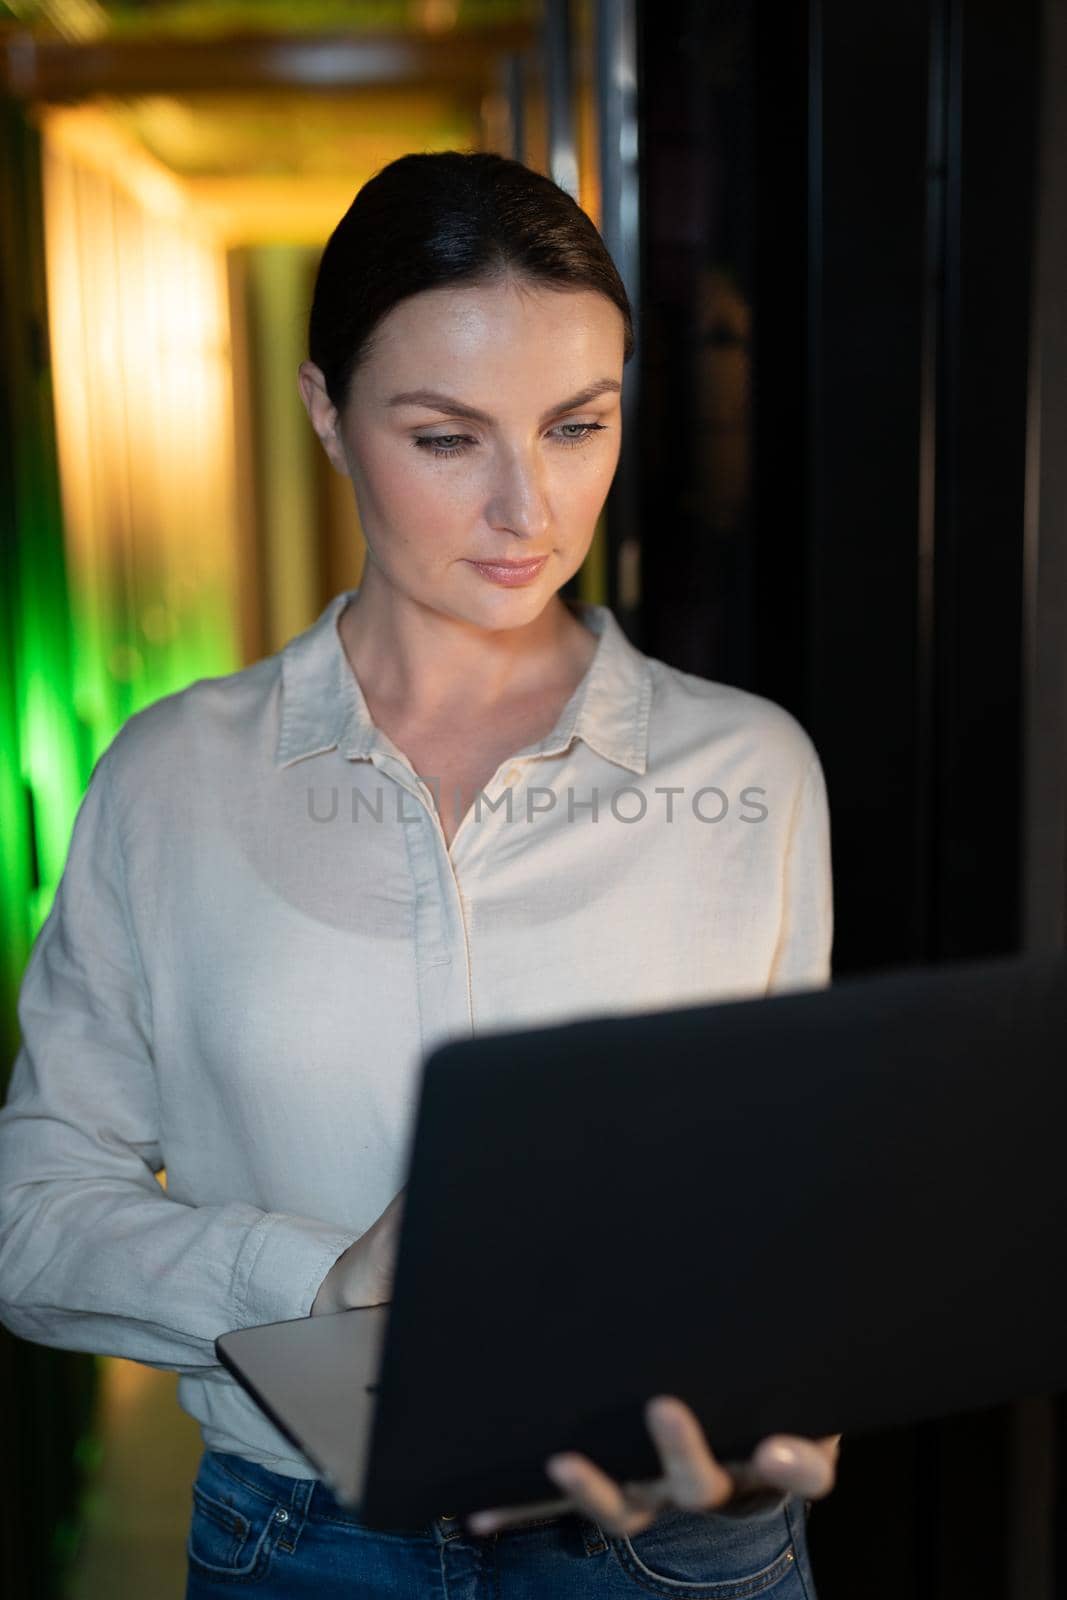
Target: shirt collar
(323,707)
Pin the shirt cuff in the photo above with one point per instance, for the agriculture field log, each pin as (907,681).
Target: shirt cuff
(281,1267)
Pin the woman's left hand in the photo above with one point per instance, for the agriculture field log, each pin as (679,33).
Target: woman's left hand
(693,1480)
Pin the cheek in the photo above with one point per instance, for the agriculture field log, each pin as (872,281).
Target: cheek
(584,486)
(410,500)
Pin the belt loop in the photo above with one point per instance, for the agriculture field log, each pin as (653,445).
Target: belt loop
(300,1498)
(592,1537)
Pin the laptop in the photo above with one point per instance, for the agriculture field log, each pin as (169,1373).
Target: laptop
(823,1211)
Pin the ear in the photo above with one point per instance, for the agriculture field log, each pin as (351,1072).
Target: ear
(323,413)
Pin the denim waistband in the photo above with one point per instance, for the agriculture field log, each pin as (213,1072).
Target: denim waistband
(313,1497)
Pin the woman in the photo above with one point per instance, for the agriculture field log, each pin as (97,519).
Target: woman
(456,801)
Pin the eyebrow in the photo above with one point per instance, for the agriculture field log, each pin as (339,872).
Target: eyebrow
(456,408)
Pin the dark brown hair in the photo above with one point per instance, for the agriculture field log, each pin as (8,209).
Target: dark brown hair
(434,220)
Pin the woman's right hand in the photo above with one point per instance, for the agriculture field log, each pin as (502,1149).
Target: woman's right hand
(363,1275)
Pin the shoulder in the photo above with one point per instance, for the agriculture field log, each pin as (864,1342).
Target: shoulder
(703,715)
(226,719)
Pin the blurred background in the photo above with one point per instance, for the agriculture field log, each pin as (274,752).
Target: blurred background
(843,485)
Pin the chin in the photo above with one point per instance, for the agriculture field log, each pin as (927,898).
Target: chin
(501,607)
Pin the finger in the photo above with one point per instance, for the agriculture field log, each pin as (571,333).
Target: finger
(805,1467)
(697,1482)
(599,1496)
(507,1516)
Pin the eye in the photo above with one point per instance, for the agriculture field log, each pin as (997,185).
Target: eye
(569,434)
(445,444)
(586,431)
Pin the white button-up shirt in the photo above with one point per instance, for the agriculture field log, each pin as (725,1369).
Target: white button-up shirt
(260,932)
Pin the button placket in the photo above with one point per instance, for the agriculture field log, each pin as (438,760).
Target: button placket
(497,814)
(442,958)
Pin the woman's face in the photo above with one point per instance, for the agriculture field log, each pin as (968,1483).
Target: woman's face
(484,425)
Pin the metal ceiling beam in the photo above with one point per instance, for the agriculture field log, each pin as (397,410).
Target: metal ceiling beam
(58,70)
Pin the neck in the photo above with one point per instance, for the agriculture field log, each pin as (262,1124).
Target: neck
(423,663)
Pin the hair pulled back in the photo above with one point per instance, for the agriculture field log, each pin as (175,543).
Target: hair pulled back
(436,220)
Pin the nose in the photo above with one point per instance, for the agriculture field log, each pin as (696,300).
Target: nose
(518,500)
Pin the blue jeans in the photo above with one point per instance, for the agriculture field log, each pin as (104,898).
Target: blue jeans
(286,1538)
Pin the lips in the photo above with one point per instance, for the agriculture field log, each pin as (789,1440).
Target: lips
(510,574)
(510,566)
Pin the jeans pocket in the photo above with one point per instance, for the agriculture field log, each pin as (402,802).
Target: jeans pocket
(702,1556)
(231,1534)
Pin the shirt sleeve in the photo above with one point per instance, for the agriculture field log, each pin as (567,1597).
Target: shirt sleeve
(805,939)
(94,1254)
